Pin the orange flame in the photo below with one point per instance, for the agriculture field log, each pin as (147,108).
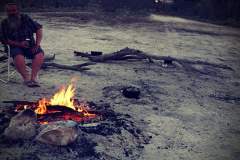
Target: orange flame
(64,97)
(42,109)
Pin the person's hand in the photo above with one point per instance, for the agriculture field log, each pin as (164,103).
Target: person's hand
(23,44)
(35,49)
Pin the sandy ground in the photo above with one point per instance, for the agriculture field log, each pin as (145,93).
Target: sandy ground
(189,115)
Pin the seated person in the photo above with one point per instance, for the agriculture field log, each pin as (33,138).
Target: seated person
(18,32)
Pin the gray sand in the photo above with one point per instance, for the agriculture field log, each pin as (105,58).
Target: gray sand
(189,115)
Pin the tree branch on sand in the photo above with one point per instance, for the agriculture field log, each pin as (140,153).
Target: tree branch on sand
(128,53)
(79,67)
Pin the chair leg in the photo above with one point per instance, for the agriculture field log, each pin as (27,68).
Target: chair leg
(8,67)
(3,81)
(8,63)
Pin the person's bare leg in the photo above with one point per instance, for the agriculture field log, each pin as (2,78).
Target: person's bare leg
(36,65)
(19,62)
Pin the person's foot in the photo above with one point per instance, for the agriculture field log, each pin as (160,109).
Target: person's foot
(27,82)
(33,84)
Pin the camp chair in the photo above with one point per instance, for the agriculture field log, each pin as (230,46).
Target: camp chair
(9,72)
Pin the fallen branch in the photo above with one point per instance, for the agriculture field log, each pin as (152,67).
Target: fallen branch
(80,67)
(128,53)
(123,54)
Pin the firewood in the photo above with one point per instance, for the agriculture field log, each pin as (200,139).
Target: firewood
(19,105)
(55,116)
(60,108)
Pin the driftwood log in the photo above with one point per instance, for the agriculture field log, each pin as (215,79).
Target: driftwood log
(128,53)
(123,54)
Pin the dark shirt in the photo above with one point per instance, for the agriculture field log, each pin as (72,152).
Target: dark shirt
(26,30)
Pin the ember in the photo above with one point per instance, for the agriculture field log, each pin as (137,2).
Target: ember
(62,106)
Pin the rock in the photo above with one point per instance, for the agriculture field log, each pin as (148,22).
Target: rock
(58,133)
(131,92)
(22,126)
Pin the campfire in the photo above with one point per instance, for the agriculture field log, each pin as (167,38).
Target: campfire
(62,106)
(65,120)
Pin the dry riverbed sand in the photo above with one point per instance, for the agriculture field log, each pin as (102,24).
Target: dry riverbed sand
(187,114)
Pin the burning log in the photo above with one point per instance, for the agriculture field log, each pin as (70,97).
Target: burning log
(58,108)
(62,106)
(54,112)
(22,105)
(57,112)
(59,116)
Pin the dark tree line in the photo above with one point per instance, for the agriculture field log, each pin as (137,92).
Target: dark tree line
(214,9)
(108,5)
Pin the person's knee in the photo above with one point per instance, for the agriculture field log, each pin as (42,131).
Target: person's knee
(38,59)
(39,55)
(19,61)
(18,58)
